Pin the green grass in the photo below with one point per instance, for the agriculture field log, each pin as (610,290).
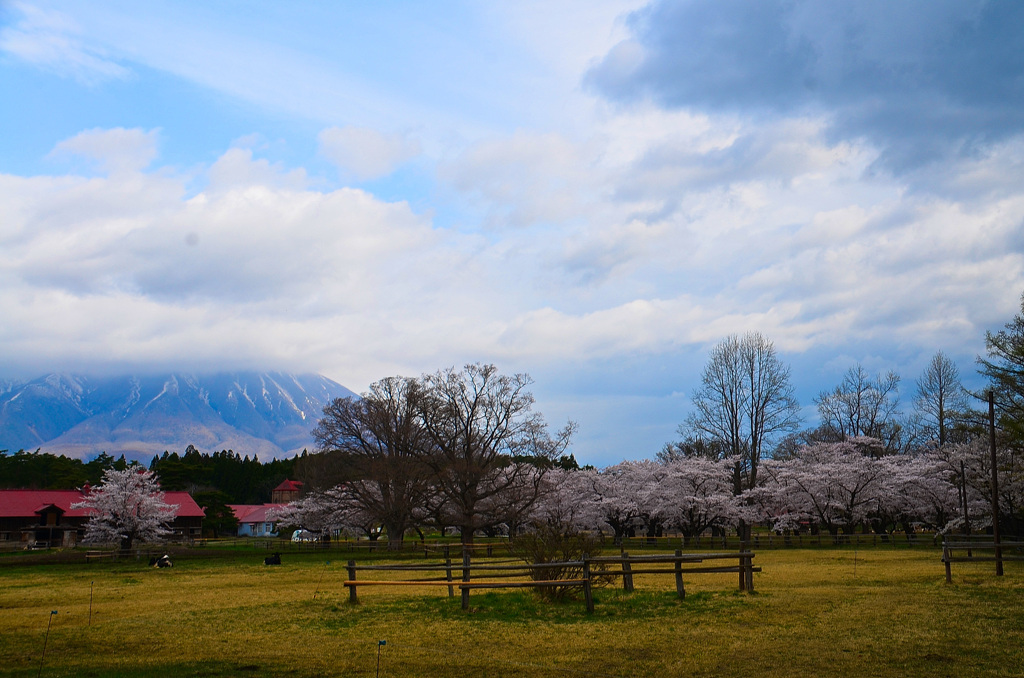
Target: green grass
(816,612)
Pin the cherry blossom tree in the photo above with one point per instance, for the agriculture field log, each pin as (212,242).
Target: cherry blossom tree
(914,491)
(618,495)
(977,464)
(325,512)
(654,498)
(831,484)
(128,506)
(698,495)
(568,501)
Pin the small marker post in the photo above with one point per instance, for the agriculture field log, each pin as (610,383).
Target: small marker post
(380,645)
(45,638)
(321,579)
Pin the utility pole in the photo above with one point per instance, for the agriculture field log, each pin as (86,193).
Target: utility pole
(995,481)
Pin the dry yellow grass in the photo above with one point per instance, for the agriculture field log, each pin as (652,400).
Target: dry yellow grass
(812,615)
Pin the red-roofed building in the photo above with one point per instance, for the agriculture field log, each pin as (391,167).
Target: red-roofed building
(287,491)
(45,517)
(253,520)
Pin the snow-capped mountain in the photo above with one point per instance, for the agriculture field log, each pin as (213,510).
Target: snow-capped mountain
(264,413)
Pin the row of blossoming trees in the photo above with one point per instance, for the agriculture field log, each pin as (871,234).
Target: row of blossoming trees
(834,487)
(464,449)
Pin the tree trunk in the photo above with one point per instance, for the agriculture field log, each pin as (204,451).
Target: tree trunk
(396,536)
(466,535)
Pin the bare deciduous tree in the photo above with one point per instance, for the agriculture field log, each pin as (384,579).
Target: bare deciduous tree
(381,440)
(940,398)
(861,406)
(485,441)
(744,403)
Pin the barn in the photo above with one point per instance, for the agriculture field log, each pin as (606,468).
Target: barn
(44,518)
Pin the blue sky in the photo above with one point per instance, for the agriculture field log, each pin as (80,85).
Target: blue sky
(592,192)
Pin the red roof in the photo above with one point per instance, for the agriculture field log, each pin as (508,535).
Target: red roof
(187,506)
(28,503)
(253,513)
(289,486)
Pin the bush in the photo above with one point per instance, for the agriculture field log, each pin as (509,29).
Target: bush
(555,544)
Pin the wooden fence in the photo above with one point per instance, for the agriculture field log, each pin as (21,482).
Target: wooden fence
(496,573)
(967,551)
(490,547)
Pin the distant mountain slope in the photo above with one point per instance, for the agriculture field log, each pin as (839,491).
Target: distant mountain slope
(264,413)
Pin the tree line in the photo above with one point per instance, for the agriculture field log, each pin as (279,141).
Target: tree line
(44,471)
(238,479)
(463,449)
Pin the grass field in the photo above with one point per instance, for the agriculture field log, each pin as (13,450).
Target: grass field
(836,612)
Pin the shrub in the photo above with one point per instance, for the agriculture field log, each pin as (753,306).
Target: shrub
(556,545)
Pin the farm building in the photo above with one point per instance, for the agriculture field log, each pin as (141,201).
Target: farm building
(45,518)
(287,491)
(253,520)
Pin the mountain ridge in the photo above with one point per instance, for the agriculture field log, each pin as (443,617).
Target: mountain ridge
(270,414)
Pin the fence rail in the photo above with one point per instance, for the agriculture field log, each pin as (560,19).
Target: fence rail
(1001,552)
(490,547)
(679,564)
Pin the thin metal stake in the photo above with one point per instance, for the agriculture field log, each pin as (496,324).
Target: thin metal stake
(45,638)
(321,579)
(380,644)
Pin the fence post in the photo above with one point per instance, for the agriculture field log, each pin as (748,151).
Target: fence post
(588,593)
(448,570)
(750,572)
(945,559)
(627,574)
(742,568)
(352,597)
(465,577)
(679,575)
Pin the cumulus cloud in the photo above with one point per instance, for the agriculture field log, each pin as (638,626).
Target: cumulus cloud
(922,80)
(365,153)
(51,40)
(133,268)
(668,230)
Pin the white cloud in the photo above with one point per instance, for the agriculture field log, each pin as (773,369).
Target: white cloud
(366,153)
(671,230)
(113,150)
(50,39)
